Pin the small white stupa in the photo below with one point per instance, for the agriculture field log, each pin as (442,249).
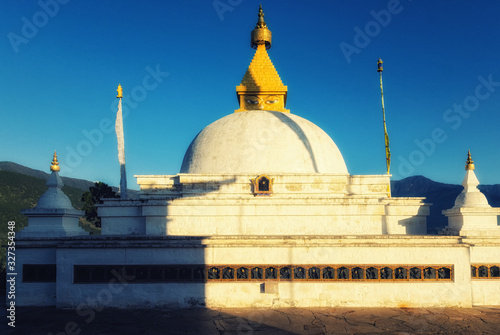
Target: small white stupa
(54,215)
(472,215)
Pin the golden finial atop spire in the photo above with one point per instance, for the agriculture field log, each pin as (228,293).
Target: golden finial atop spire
(380,65)
(469,165)
(54,167)
(120,91)
(261,34)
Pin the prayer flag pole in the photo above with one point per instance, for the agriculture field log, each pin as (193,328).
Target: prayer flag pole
(386,136)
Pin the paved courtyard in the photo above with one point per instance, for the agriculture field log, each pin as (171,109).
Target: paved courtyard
(402,321)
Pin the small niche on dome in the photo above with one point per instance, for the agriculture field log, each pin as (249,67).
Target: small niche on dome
(262,185)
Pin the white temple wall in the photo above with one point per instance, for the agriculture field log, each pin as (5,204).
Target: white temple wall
(274,216)
(351,293)
(118,293)
(485,251)
(324,252)
(338,294)
(122,217)
(486,292)
(286,185)
(123,295)
(369,185)
(34,294)
(300,204)
(123,226)
(275,225)
(52,226)
(249,294)
(405,216)
(349,251)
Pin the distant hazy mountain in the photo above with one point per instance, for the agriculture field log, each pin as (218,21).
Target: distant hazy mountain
(441,196)
(14,167)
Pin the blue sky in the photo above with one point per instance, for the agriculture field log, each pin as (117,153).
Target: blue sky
(179,63)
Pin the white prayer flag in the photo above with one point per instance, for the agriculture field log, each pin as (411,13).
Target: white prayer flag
(119,134)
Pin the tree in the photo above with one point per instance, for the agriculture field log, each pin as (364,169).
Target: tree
(92,197)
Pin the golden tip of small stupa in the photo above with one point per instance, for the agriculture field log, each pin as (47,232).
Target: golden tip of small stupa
(469,164)
(54,165)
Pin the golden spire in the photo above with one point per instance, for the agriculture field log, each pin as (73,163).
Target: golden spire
(469,164)
(261,87)
(120,91)
(261,34)
(54,167)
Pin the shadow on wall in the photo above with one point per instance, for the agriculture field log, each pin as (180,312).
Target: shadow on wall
(133,270)
(413,226)
(197,189)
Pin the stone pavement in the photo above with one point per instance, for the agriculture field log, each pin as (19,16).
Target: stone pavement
(401,321)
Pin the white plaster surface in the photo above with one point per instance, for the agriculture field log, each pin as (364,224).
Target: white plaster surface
(34,294)
(263,142)
(261,250)
(205,216)
(486,292)
(471,196)
(473,221)
(52,223)
(54,197)
(301,204)
(396,250)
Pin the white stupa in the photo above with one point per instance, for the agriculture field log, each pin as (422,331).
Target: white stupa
(472,215)
(54,215)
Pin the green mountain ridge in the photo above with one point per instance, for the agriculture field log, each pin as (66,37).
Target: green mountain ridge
(14,167)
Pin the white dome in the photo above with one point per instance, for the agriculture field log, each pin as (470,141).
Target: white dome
(262,142)
(471,199)
(471,196)
(54,197)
